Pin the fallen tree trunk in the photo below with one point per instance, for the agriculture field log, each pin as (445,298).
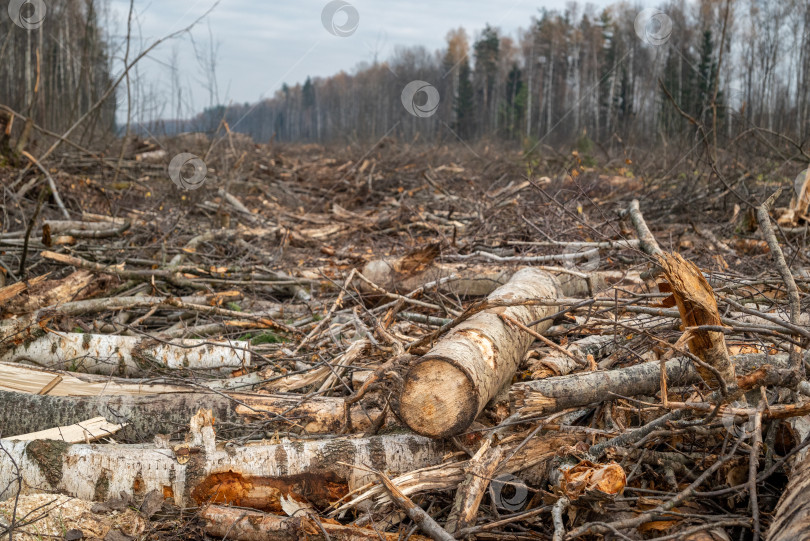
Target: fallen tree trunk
(109,304)
(124,355)
(397,276)
(149,409)
(405,274)
(446,389)
(244,525)
(541,397)
(478,473)
(149,415)
(199,471)
(462,279)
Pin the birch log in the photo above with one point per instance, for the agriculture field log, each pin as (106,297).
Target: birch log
(149,415)
(446,389)
(646,239)
(151,409)
(541,397)
(125,355)
(396,276)
(66,226)
(200,471)
(402,276)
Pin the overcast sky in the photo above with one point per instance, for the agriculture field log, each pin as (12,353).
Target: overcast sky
(262,44)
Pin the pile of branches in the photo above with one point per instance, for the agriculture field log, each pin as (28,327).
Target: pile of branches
(394,347)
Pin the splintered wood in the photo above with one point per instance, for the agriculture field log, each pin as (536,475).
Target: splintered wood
(698,308)
(396,344)
(799,209)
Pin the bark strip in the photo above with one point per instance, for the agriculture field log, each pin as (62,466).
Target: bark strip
(86,431)
(414,512)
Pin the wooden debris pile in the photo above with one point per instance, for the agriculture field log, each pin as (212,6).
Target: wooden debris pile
(391,347)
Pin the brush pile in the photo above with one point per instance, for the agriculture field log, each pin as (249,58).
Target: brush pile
(401,344)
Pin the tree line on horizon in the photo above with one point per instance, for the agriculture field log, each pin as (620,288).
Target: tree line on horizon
(722,66)
(728,65)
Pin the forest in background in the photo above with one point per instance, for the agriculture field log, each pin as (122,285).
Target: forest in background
(55,73)
(569,74)
(581,75)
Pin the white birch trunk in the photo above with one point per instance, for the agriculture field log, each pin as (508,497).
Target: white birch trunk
(198,472)
(125,355)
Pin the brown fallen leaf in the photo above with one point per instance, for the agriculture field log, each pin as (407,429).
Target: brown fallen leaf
(587,477)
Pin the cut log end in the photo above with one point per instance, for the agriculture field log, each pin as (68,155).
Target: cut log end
(438,399)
